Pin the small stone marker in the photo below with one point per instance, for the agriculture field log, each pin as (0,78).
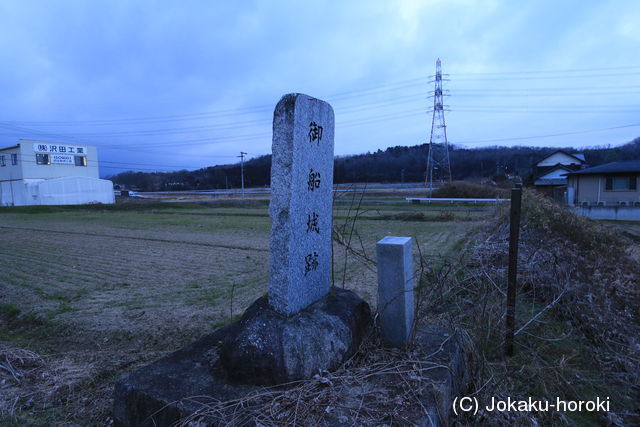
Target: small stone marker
(301,202)
(395,289)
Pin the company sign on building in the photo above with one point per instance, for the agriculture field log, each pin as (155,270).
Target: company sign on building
(61,154)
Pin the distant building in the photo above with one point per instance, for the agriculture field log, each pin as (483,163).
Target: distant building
(550,172)
(608,191)
(609,184)
(45,173)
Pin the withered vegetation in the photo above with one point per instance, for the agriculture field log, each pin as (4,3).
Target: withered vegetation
(577,332)
(578,315)
(577,335)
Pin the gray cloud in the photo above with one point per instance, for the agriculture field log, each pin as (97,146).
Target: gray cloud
(110,60)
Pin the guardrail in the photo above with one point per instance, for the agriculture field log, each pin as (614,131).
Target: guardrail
(452,200)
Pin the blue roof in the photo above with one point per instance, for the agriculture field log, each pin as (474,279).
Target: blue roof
(613,167)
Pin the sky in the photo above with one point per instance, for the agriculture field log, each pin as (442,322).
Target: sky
(159,85)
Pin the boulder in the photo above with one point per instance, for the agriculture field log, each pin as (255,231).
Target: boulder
(266,347)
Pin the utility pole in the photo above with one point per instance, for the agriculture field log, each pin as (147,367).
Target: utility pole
(438,165)
(242,154)
(13,202)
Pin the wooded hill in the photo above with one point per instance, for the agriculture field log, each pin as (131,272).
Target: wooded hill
(395,164)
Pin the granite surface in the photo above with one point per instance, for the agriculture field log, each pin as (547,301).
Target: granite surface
(395,289)
(301,202)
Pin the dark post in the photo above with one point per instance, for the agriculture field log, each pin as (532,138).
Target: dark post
(242,171)
(514,231)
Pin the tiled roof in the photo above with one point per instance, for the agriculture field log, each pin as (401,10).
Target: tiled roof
(577,156)
(614,167)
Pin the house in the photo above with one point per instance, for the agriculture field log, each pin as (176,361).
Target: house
(609,184)
(550,172)
(609,191)
(45,173)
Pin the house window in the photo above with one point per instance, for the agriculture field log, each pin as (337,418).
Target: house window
(620,183)
(81,161)
(14,159)
(43,159)
(2,163)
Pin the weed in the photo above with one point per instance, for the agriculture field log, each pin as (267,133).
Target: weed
(445,216)
(576,305)
(469,190)
(9,310)
(226,321)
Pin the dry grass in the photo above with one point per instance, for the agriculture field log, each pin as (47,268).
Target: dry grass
(84,302)
(30,382)
(577,316)
(578,319)
(107,291)
(378,386)
(471,190)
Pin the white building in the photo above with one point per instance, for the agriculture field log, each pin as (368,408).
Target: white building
(46,173)
(550,173)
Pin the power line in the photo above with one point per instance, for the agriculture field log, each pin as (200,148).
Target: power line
(243,125)
(555,89)
(345,123)
(549,135)
(226,112)
(393,86)
(538,111)
(219,126)
(210,141)
(549,77)
(125,165)
(576,70)
(464,94)
(406,99)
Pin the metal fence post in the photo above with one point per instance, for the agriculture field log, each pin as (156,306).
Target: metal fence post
(514,232)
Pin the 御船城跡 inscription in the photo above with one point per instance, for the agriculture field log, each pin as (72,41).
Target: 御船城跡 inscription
(301,202)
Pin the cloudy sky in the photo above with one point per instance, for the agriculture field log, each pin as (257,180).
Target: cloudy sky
(160,85)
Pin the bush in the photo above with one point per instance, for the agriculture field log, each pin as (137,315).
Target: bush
(445,216)
(469,190)
(552,219)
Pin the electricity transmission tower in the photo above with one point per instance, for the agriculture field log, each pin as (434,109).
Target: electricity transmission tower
(438,165)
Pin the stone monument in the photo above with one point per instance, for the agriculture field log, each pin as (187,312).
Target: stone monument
(301,327)
(395,289)
(301,203)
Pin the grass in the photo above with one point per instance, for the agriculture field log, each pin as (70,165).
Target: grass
(136,205)
(9,310)
(96,285)
(226,322)
(469,190)
(578,348)
(26,328)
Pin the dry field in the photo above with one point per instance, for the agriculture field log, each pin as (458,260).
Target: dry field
(89,294)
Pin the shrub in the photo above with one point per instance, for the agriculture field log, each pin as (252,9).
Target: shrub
(445,216)
(470,190)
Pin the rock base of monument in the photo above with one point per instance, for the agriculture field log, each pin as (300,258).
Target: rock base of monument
(262,348)
(268,348)
(193,380)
